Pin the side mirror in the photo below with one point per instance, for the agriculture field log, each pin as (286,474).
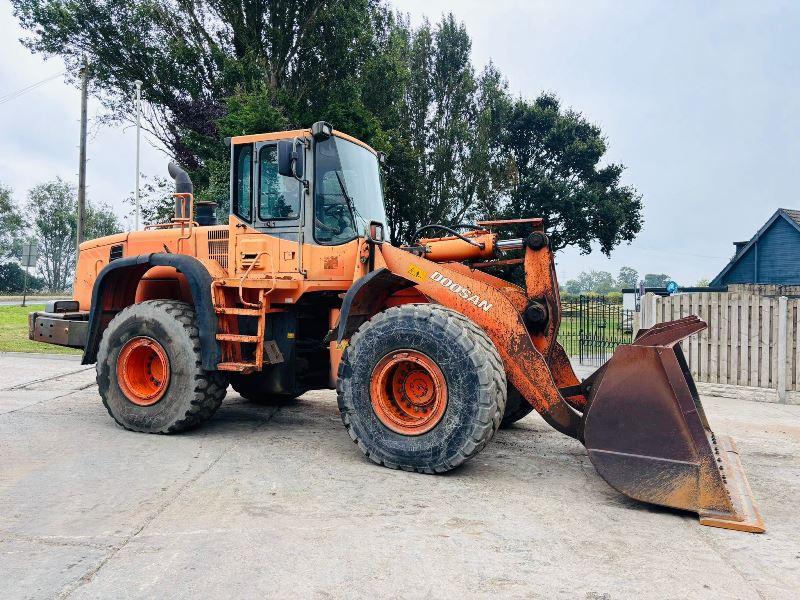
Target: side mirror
(290,158)
(375,232)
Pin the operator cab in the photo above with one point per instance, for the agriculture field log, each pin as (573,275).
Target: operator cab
(314,185)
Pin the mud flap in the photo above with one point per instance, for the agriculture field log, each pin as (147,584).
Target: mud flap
(648,437)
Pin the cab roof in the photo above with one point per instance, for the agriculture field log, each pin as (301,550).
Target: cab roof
(282,135)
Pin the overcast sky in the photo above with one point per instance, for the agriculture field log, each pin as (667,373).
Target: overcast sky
(700,100)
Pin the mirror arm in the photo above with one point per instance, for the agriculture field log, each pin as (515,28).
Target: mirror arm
(295,158)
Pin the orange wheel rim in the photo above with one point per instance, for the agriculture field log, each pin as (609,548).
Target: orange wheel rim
(143,371)
(408,392)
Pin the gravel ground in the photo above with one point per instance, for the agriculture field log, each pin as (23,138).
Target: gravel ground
(279,503)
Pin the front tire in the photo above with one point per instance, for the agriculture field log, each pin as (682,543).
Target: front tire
(421,388)
(149,371)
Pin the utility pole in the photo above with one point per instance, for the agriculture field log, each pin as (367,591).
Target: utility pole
(82,156)
(138,137)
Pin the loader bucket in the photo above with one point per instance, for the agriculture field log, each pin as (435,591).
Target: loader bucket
(647,435)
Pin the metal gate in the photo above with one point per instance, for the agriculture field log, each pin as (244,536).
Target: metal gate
(592,327)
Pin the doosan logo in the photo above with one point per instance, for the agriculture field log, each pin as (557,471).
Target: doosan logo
(461,291)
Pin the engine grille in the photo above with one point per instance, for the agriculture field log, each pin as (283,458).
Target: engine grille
(115,252)
(218,246)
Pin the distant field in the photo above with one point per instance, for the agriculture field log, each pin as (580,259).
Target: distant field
(14,332)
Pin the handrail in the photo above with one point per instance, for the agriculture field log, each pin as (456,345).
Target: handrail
(170,224)
(181,221)
(247,273)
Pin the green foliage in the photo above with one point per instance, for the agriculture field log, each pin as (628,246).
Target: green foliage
(156,204)
(458,146)
(602,283)
(567,297)
(11,225)
(627,278)
(51,211)
(658,280)
(12,279)
(557,157)
(573,287)
(703,282)
(597,282)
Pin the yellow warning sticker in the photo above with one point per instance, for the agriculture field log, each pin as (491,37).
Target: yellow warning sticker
(417,273)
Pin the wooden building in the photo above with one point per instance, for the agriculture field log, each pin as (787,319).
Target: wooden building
(770,257)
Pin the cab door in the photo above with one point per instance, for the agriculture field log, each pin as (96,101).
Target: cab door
(247,245)
(278,207)
(266,212)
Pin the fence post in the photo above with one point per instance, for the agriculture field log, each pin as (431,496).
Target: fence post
(782,317)
(654,310)
(643,312)
(649,310)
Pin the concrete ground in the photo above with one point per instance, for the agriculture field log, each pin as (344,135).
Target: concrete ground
(279,503)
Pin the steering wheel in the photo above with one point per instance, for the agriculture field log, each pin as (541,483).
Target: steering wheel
(333,222)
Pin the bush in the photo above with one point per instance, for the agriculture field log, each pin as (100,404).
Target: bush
(12,279)
(567,297)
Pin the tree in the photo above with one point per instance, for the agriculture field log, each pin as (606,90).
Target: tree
(627,278)
(574,287)
(101,221)
(458,146)
(156,203)
(307,56)
(703,282)
(602,282)
(52,208)
(599,282)
(11,225)
(556,158)
(659,280)
(433,179)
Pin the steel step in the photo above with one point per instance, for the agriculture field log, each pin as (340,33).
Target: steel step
(245,312)
(235,367)
(237,337)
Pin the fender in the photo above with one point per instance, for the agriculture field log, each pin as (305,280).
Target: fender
(366,297)
(115,288)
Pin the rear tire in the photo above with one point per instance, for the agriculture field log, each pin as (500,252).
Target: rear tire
(516,407)
(186,398)
(464,363)
(251,388)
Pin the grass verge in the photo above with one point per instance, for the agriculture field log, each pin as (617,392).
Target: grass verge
(14,332)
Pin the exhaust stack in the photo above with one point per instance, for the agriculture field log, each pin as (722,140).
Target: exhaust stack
(184,190)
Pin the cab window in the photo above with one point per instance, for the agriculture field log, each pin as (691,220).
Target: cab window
(243,161)
(279,196)
(347,191)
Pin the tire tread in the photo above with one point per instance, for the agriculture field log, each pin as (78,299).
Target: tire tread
(479,349)
(210,386)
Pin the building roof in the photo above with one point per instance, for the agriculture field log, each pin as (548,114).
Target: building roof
(792,216)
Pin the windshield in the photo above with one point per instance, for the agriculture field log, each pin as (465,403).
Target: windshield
(347,191)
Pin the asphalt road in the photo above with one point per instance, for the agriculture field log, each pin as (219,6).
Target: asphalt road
(279,503)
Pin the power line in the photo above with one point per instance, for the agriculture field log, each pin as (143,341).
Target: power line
(22,91)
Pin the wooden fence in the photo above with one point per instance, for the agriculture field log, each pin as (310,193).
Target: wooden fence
(751,342)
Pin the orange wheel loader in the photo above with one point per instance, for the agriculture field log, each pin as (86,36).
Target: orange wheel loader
(429,353)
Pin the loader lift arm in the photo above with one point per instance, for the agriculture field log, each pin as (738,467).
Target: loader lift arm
(521,352)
